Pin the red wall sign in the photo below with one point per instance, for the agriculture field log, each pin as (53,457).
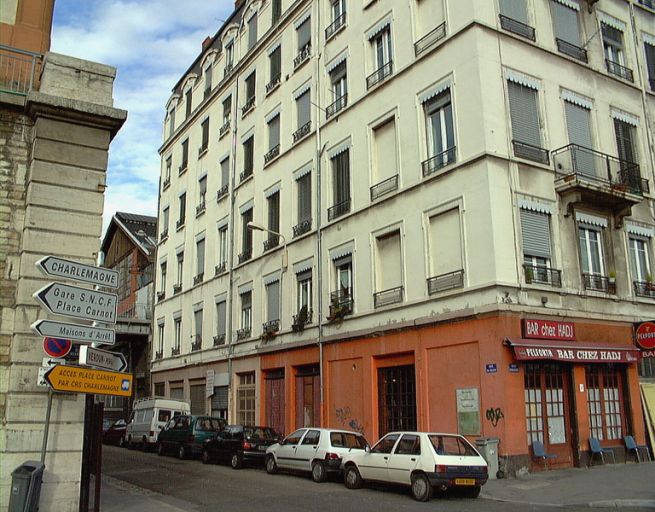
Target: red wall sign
(586,355)
(548,329)
(645,335)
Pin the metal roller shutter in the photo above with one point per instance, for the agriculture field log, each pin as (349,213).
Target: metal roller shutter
(515,9)
(524,114)
(579,130)
(197,396)
(565,20)
(535,229)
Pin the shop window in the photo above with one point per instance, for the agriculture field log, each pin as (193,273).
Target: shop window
(605,400)
(197,398)
(160,389)
(219,402)
(246,399)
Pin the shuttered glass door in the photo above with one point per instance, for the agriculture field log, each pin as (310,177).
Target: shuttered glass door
(578,125)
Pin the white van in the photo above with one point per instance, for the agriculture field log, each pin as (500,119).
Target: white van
(149,416)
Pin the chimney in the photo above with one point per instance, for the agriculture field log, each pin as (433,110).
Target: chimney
(206,43)
(238,3)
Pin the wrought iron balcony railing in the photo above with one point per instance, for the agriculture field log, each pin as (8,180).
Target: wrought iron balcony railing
(303,55)
(599,283)
(341,303)
(179,223)
(161,296)
(228,68)
(380,74)
(272,154)
(644,289)
(243,334)
(245,174)
(517,27)
(571,50)
(159,355)
(271,327)
(302,227)
(135,311)
(175,351)
(221,193)
(271,242)
(163,235)
(182,168)
(220,269)
(245,255)
(433,164)
(203,149)
(166,183)
(19,70)
(334,27)
(302,131)
(198,278)
(200,209)
(538,274)
(339,209)
(339,104)
(300,320)
(445,282)
(248,105)
(617,69)
(196,344)
(273,84)
(384,187)
(388,297)
(429,39)
(223,130)
(177,288)
(530,152)
(647,3)
(219,339)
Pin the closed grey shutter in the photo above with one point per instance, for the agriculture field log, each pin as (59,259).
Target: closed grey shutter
(197,396)
(303,106)
(198,322)
(274,212)
(250,85)
(220,318)
(304,276)
(219,398)
(276,62)
(304,34)
(252,31)
(200,254)
(305,198)
(248,147)
(338,73)
(565,20)
(524,114)
(342,177)
(227,107)
(650,63)
(274,132)
(579,130)
(535,229)
(273,301)
(225,172)
(515,9)
(624,140)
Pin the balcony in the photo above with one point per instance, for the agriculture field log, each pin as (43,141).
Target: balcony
(270,328)
(243,334)
(19,70)
(228,69)
(196,344)
(221,193)
(530,152)
(200,209)
(175,351)
(182,168)
(571,50)
(271,242)
(219,340)
(223,130)
(598,179)
(388,297)
(433,164)
(429,39)
(516,27)
(177,288)
(203,149)
(334,27)
(538,274)
(647,3)
(273,84)
(302,131)
(303,56)
(159,355)
(445,282)
(302,227)
(248,106)
(272,154)
(339,209)
(179,224)
(245,174)
(161,296)
(380,74)
(341,304)
(339,104)
(245,256)
(163,235)
(303,318)
(166,183)
(644,289)
(220,269)
(198,278)
(616,69)
(384,187)
(599,283)
(135,311)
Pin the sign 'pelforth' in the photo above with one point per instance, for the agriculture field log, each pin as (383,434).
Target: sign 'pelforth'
(67,300)
(75,332)
(59,267)
(645,335)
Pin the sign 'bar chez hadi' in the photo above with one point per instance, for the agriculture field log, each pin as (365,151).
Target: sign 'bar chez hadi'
(556,341)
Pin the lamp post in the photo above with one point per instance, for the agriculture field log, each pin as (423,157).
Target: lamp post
(258,227)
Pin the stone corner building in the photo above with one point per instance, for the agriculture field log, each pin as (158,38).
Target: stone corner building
(56,123)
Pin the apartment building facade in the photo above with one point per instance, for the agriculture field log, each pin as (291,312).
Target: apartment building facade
(432,215)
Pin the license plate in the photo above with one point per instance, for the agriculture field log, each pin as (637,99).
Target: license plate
(464,481)
(262,448)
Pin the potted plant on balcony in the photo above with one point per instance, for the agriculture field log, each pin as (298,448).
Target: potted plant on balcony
(300,320)
(649,283)
(612,276)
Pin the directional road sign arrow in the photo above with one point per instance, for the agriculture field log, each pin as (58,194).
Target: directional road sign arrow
(67,300)
(75,332)
(102,359)
(59,267)
(85,380)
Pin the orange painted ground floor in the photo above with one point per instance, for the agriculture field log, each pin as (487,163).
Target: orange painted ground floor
(558,381)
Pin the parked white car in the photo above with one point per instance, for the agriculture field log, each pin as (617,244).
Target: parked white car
(424,461)
(318,450)
(149,416)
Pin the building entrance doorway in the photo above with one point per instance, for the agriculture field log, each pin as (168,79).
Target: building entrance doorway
(396,398)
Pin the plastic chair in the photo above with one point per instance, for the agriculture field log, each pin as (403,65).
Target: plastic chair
(597,449)
(632,447)
(538,452)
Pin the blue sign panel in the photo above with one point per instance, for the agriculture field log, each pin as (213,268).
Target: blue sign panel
(491,368)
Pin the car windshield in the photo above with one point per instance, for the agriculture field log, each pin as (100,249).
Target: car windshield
(267,434)
(451,445)
(346,440)
(208,424)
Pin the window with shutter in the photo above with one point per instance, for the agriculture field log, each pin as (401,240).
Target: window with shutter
(446,242)
(304,280)
(625,135)
(303,105)
(440,130)
(200,256)
(650,64)
(273,301)
(205,134)
(220,402)
(526,125)
(220,318)
(276,63)
(227,109)
(182,209)
(305,198)
(578,125)
(591,252)
(225,171)
(197,317)
(304,34)
(384,153)
(535,231)
(389,262)
(274,132)
(515,9)
(565,20)
(246,310)
(274,212)
(252,31)
(246,234)
(640,258)
(202,190)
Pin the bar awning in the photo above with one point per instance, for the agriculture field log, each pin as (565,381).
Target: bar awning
(572,351)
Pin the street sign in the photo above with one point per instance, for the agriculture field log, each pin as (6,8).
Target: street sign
(102,359)
(46,365)
(74,332)
(83,380)
(67,300)
(57,347)
(74,354)
(59,267)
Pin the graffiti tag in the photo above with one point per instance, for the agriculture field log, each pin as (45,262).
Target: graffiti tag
(494,415)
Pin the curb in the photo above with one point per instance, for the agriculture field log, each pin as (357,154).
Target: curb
(621,503)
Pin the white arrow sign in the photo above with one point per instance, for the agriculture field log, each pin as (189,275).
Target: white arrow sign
(102,359)
(67,300)
(59,267)
(74,332)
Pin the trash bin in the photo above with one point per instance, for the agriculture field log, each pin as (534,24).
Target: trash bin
(26,487)
(488,448)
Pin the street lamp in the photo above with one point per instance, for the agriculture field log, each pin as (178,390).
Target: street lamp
(258,227)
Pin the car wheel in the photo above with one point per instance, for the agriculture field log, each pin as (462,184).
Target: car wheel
(206,457)
(271,465)
(351,478)
(160,449)
(236,461)
(181,452)
(471,492)
(319,473)
(421,489)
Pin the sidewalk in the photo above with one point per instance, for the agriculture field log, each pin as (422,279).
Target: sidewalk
(119,496)
(612,485)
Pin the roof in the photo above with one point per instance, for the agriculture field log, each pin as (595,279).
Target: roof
(141,229)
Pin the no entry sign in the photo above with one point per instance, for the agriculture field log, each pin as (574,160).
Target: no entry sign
(56,347)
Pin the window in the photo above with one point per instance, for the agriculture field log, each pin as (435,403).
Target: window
(252,31)
(275,62)
(180,267)
(229,56)
(273,137)
(304,290)
(178,336)
(388,270)
(312,437)
(208,80)
(276,11)
(386,444)
(625,141)
(202,192)
(225,175)
(205,136)
(535,231)
(185,155)
(578,125)
(200,258)
(340,184)
(164,221)
(396,398)
(273,203)
(339,84)
(273,301)
(222,247)
(248,157)
(167,175)
(304,114)
(246,399)
(294,437)
(171,121)
(639,258)
(188,104)
(384,161)
(591,257)
(649,48)
(430,23)
(615,52)
(341,300)
(246,233)
(338,12)
(440,132)
(246,311)
(250,92)
(567,29)
(197,320)
(382,59)
(163,269)
(445,243)
(304,188)
(182,203)
(605,399)
(526,122)
(160,341)
(220,323)
(304,36)
(409,444)
(514,18)
(227,110)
